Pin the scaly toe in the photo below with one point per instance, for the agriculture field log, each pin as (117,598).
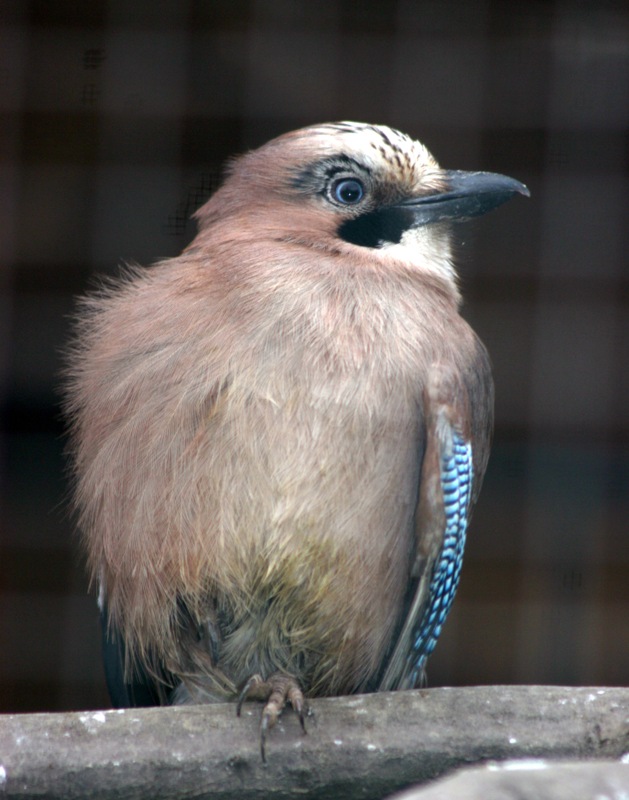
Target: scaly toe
(276,690)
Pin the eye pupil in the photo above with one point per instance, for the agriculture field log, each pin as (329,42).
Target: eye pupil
(348,191)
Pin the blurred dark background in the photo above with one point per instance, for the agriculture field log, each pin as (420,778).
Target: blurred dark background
(116,119)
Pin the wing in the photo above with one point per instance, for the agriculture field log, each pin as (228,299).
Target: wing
(147,682)
(458,411)
(141,690)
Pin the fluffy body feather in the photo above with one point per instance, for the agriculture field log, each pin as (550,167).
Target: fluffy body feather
(251,423)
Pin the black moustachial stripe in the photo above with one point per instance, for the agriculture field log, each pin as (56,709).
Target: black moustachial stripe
(377,228)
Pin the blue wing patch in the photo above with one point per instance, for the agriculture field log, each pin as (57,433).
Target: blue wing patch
(456,484)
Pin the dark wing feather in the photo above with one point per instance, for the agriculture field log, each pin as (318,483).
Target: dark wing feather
(142,690)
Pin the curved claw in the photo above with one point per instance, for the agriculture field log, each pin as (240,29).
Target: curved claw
(278,689)
(264,727)
(250,690)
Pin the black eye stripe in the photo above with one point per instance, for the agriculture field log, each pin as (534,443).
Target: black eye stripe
(316,177)
(342,163)
(332,171)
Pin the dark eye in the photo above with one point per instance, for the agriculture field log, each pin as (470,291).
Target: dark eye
(348,191)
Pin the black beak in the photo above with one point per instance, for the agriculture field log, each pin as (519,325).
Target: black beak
(467,194)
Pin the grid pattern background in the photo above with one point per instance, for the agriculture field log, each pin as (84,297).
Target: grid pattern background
(116,119)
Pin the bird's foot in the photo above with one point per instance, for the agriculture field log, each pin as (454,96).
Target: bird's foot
(276,690)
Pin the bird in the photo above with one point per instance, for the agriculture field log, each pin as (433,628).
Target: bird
(278,436)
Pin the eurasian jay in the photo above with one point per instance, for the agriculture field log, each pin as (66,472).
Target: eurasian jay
(280,434)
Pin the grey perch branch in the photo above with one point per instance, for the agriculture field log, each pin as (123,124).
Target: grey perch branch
(364,746)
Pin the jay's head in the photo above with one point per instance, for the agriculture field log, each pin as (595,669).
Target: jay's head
(351,187)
